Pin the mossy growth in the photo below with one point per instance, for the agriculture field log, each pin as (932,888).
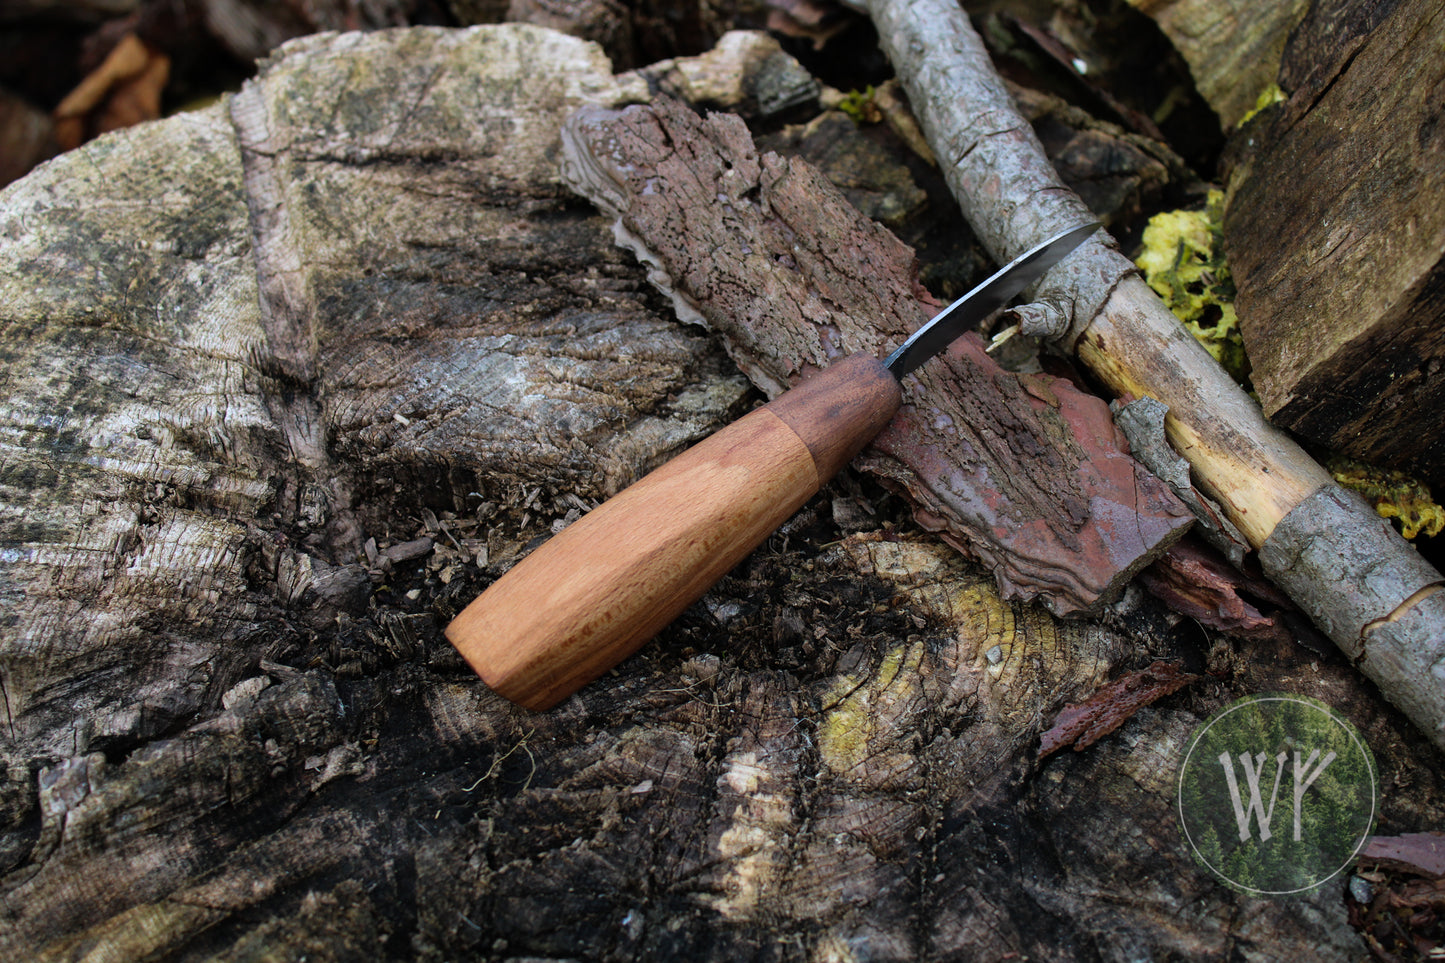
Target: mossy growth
(859,105)
(1183,261)
(1394,494)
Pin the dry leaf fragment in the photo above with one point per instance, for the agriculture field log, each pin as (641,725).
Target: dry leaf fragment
(815,20)
(123,91)
(1087,722)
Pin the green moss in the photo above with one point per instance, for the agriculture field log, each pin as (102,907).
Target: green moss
(1394,494)
(1183,261)
(859,105)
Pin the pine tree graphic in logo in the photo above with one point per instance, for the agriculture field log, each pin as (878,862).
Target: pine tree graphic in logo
(1277,794)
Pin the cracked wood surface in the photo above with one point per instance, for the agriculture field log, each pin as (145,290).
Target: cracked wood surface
(228,734)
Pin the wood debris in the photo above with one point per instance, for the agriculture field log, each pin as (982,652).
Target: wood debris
(1339,254)
(123,91)
(1085,723)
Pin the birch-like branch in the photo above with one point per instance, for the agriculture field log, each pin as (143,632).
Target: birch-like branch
(1360,582)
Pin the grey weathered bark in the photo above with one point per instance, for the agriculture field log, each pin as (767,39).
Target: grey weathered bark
(1126,336)
(240,342)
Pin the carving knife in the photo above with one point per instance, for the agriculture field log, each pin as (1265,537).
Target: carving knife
(594,593)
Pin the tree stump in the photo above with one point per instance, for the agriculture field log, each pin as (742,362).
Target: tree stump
(290,379)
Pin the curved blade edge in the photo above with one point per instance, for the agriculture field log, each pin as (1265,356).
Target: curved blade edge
(965,313)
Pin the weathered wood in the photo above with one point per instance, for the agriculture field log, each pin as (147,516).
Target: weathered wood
(608,583)
(1131,342)
(746,73)
(1336,237)
(1022,471)
(1233,47)
(240,750)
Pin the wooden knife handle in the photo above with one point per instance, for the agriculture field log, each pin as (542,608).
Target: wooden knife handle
(592,594)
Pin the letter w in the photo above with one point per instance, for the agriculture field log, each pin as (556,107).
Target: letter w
(1256,805)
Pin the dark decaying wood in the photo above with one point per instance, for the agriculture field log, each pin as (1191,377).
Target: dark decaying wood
(1128,339)
(227,734)
(1022,471)
(27,137)
(1336,236)
(1111,706)
(1421,854)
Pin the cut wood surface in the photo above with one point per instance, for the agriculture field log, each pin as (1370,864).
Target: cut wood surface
(290,380)
(1022,471)
(1336,236)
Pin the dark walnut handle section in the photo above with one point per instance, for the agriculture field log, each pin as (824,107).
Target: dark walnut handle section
(593,594)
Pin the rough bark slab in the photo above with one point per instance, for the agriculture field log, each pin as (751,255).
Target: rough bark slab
(1336,236)
(1022,471)
(1233,48)
(235,743)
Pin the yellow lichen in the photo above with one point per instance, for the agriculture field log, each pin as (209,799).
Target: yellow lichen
(1394,494)
(856,726)
(1183,261)
(1269,95)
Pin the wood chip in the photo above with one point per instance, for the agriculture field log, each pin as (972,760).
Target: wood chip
(1085,723)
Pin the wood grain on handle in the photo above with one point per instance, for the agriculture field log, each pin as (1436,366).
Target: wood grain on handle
(593,594)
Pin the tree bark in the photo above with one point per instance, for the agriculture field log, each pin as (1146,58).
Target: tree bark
(1125,336)
(244,342)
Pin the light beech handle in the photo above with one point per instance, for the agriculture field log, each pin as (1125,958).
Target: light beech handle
(594,593)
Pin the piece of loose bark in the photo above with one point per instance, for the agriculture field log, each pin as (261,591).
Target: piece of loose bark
(1142,421)
(1085,723)
(607,22)
(27,137)
(124,90)
(1022,471)
(745,73)
(1336,236)
(1199,583)
(1422,854)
